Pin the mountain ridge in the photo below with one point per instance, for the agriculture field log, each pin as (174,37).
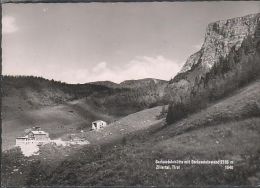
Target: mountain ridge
(228,59)
(129,83)
(29,100)
(229,33)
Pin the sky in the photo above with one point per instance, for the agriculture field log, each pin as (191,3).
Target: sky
(86,42)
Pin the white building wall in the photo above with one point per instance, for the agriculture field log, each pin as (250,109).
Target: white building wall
(98,125)
(23,142)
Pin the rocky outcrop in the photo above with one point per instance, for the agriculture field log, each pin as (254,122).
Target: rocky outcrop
(220,38)
(228,57)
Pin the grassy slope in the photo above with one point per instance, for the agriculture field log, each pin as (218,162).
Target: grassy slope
(129,125)
(52,155)
(227,130)
(57,120)
(62,108)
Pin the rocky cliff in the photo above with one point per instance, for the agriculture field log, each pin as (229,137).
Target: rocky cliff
(220,38)
(228,58)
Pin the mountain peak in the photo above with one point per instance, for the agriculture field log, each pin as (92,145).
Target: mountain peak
(140,82)
(105,83)
(220,37)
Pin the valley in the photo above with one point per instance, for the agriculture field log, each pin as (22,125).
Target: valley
(216,133)
(209,111)
(60,108)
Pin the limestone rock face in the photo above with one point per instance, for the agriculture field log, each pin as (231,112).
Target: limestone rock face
(228,59)
(220,38)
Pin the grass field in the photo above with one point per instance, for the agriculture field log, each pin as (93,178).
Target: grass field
(131,124)
(226,130)
(57,120)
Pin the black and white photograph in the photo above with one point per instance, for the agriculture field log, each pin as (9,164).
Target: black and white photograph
(130,94)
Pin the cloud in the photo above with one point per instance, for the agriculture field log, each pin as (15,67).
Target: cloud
(137,68)
(153,67)
(71,76)
(99,67)
(8,25)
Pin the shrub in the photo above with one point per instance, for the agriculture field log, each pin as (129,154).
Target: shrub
(163,113)
(177,112)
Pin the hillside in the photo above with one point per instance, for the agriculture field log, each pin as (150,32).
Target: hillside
(141,83)
(105,83)
(226,130)
(22,93)
(62,108)
(58,120)
(130,83)
(128,125)
(213,114)
(228,59)
(216,133)
(53,155)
